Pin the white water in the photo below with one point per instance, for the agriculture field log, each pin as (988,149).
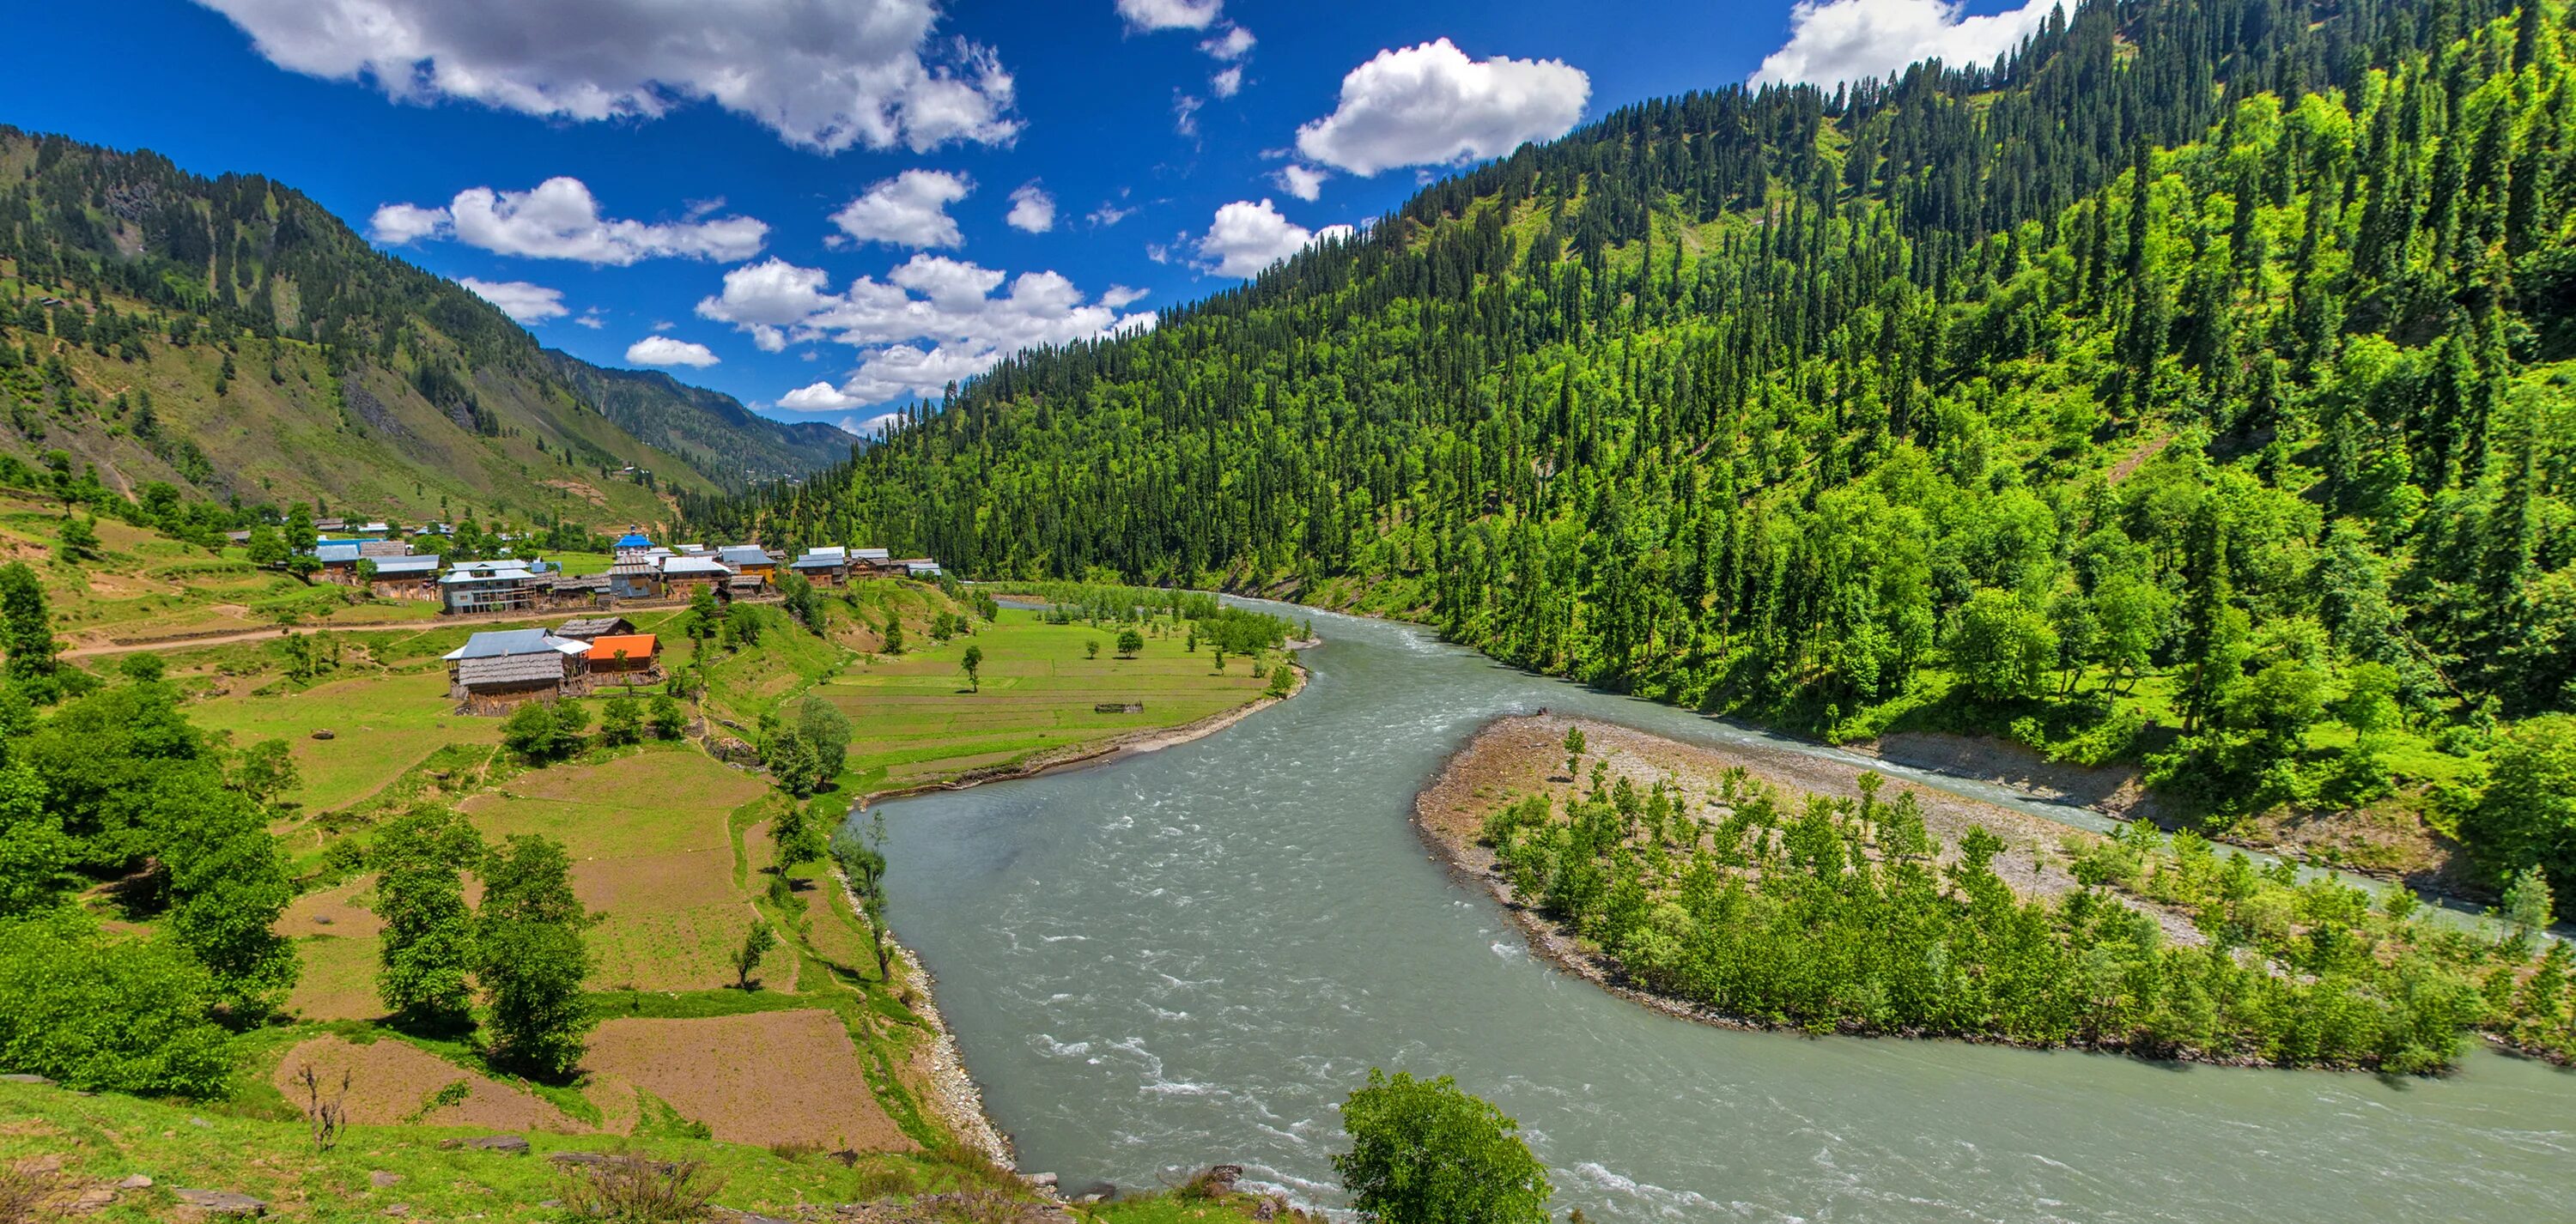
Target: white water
(1193,956)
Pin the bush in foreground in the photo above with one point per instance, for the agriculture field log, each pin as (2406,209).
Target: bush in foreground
(1423,1152)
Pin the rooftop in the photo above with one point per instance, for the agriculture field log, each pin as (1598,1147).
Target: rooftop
(510,669)
(500,643)
(488,573)
(636,646)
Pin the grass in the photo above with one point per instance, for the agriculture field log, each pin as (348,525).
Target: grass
(914,719)
(381,725)
(668,848)
(649,834)
(104,1138)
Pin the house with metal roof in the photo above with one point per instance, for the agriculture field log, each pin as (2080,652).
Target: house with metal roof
(920,567)
(683,577)
(493,586)
(747,559)
(407,576)
(628,657)
(822,566)
(635,578)
(496,643)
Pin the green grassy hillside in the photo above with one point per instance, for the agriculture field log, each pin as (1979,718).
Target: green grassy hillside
(232,339)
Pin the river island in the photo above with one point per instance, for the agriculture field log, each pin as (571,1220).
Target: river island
(1779,890)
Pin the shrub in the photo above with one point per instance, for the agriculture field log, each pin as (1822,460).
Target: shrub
(1423,1152)
(127,1015)
(630,1188)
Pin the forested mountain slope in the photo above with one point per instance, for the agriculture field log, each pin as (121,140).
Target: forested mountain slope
(709,430)
(231,338)
(2190,387)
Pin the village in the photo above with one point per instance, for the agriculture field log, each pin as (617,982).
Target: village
(497,669)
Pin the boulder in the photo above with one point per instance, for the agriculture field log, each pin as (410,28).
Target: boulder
(511,1144)
(325,734)
(381,1179)
(96,1198)
(596,1159)
(134,1181)
(21,1077)
(221,1203)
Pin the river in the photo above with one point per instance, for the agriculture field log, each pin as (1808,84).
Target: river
(1192,956)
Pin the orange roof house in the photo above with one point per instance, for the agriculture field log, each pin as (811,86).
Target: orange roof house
(641,650)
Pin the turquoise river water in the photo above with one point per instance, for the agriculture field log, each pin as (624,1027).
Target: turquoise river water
(1193,955)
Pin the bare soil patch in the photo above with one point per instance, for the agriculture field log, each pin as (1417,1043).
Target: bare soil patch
(766,1078)
(390,1081)
(2116,790)
(332,911)
(653,883)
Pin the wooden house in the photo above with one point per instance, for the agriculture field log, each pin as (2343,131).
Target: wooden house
(624,658)
(500,668)
(748,559)
(405,577)
(592,628)
(822,566)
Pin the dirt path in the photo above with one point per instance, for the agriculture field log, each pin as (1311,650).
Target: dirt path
(224,639)
(262,635)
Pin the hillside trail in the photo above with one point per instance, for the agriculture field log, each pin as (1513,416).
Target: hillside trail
(277,631)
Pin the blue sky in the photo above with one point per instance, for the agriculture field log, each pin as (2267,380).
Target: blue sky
(823,206)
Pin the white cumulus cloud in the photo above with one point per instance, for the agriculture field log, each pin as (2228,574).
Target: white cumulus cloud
(910,209)
(1303,182)
(1431,105)
(396,224)
(822,74)
(1848,40)
(559,219)
(1233,44)
(1227,81)
(526,304)
(929,321)
(1170,14)
(665,351)
(1032,209)
(820,397)
(1245,238)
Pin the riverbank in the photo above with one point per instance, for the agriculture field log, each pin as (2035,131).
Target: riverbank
(1131,743)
